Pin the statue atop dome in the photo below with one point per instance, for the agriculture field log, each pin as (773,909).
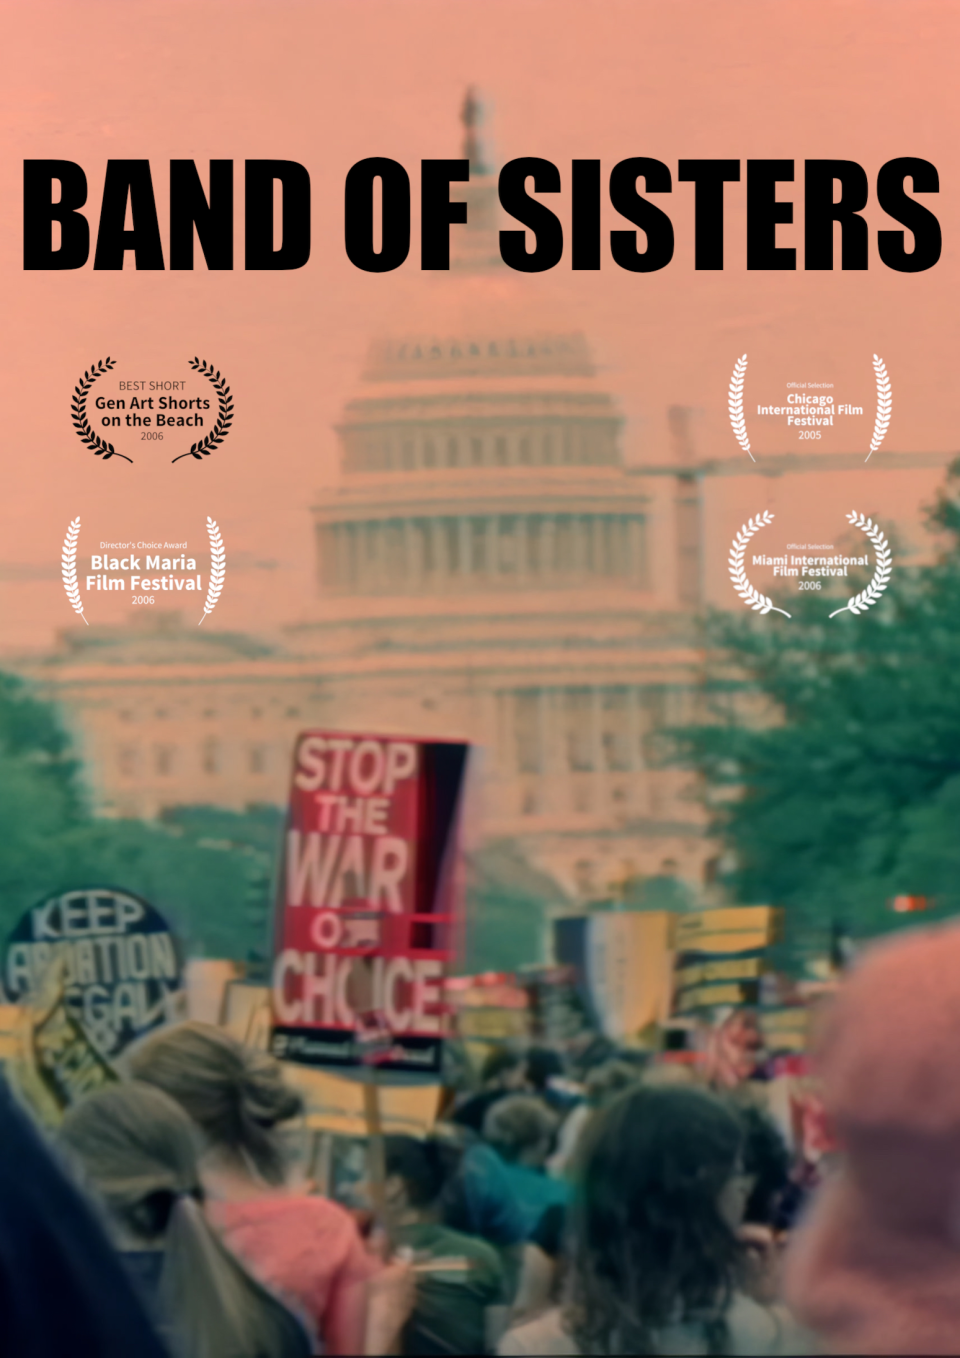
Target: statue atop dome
(472,117)
(475,247)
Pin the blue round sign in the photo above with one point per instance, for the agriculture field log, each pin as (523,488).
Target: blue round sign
(112,954)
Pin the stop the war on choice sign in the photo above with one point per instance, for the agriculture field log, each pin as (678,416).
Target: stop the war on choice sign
(368,873)
(118,961)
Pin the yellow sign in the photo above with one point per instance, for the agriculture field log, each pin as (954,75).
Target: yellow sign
(743,922)
(725,943)
(496,1025)
(335,1104)
(785,1029)
(736,969)
(705,996)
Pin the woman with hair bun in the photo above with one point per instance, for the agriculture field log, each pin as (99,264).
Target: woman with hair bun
(137,1151)
(306,1248)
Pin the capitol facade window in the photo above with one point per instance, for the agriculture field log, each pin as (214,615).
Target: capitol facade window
(210,756)
(128,760)
(164,760)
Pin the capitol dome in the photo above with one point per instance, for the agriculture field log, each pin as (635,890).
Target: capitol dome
(488,569)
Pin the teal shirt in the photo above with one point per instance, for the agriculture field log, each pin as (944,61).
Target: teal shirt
(533,1192)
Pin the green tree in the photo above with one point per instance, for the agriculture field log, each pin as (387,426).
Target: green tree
(831,753)
(209,871)
(39,798)
(507,901)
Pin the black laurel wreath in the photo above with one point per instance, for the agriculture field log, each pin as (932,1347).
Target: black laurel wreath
(222,427)
(98,446)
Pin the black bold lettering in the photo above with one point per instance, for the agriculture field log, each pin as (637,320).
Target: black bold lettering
(585,214)
(764,212)
(128,179)
(821,210)
(650,219)
(294,248)
(40,212)
(927,240)
(437,211)
(709,176)
(394,214)
(213,220)
(548,233)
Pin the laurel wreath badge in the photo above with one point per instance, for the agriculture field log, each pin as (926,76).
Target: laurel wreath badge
(68,567)
(884,406)
(757,601)
(98,446)
(739,426)
(218,567)
(221,429)
(735,406)
(881,577)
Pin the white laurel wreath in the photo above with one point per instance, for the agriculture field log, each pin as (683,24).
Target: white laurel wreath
(68,567)
(739,426)
(735,405)
(757,601)
(881,578)
(218,567)
(884,406)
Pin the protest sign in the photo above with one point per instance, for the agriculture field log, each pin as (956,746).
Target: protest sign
(720,956)
(367,910)
(489,1007)
(115,958)
(785,1029)
(559,1006)
(622,963)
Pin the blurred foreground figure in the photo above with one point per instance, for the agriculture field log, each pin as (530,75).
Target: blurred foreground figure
(655,1260)
(138,1151)
(63,1291)
(307,1249)
(875,1267)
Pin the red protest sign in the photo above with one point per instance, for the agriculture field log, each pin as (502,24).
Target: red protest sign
(367,911)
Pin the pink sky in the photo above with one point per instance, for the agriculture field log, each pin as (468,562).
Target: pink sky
(330,83)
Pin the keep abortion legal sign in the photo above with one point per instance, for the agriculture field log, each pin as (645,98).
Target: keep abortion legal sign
(110,953)
(368,900)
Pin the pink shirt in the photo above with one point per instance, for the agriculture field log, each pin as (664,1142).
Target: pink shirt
(309,1252)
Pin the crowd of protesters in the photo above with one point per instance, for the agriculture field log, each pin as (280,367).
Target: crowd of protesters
(567,1203)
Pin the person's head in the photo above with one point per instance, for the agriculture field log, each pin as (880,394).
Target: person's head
(884,1051)
(654,1223)
(504,1068)
(767,1161)
(605,1082)
(521,1128)
(235,1094)
(416,1174)
(137,1151)
(543,1065)
(588,1051)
